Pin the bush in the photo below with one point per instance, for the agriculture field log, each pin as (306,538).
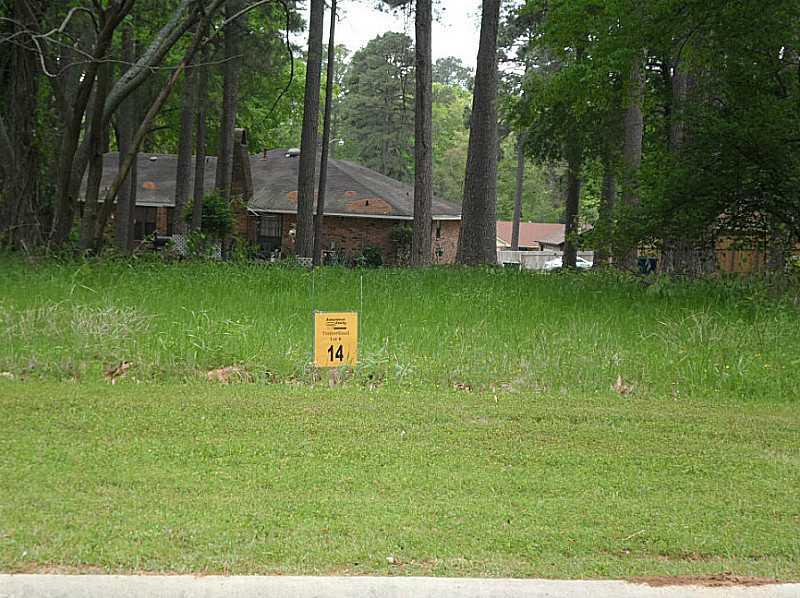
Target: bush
(402,236)
(217,220)
(370,258)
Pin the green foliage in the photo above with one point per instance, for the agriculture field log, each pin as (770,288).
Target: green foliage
(402,235)
(200,245)
(371,257)
(736,171)
(451,71)
(541,200)
(217,219)
(377,108)
(451,106)
(265,76)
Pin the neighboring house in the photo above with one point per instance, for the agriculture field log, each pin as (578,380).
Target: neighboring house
(534,236)
(555,240)
(529,234)
(362,207)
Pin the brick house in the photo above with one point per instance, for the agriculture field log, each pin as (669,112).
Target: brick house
(362,207)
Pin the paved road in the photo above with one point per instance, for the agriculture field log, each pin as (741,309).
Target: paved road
(179,586)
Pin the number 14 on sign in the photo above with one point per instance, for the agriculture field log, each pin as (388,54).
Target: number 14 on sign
(335,339)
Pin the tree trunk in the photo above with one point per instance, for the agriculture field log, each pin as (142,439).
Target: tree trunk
(181,20)
(154,109)
(571,211)
(19,170)
(200,144)
(183,170)
(96,143)
(230,93)
(126,122)
(421,250)
(186,14)
(326,139)
(308,144)
(477,239)
(605,221)
(518,192)
(66,186)
(684,254)
(632,151)
(676,253)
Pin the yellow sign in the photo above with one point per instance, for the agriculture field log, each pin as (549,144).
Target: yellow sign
(335,339)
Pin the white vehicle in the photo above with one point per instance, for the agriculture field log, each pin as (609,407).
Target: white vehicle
(556,263)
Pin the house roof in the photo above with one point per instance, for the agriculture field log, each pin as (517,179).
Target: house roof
(353,190)
(557,238)
(530,233)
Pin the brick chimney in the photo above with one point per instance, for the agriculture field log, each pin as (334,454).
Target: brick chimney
(241,179)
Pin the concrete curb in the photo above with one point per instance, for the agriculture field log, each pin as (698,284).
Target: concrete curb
(185,586)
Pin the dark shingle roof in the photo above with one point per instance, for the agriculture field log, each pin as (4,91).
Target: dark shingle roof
(353,190)
(155,178)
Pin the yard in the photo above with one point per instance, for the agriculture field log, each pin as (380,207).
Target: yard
(499,423)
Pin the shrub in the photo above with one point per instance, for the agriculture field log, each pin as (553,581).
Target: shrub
(217,219)
(371,257)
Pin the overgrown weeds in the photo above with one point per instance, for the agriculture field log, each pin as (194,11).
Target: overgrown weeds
(484,328)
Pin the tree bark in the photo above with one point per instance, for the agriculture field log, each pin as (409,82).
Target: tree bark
(126,122)
(187,13)
(181,20)
(183,170)
(676,253)
(605,221)
(308,145)
(684,254)
(155,107)
(632,150)
(477,238)
(19,153)
(200,144)
(515,222)
(572,204)
(96,144)
(66,187)
(230,94)
(326,139)
(421,250)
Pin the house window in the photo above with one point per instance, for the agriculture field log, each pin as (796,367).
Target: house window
(270,226)
(438,229)
(144,222)
(270,232)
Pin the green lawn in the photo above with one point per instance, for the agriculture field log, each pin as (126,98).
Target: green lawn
(536,467)
(258,479)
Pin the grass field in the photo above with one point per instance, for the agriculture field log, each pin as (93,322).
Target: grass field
(480,434)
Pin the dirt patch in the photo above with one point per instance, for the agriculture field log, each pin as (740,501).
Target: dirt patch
(719,580)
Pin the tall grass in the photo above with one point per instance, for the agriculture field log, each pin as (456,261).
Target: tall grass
(480,329)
